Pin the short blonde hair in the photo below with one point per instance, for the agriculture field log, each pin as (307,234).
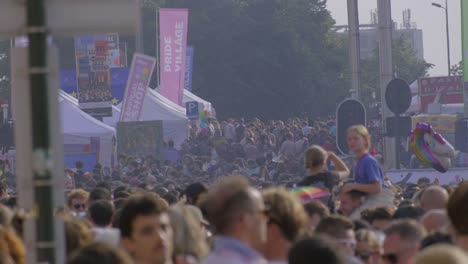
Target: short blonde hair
(77,194)
(441,254)
(369,238)
(315,156)
(363,132)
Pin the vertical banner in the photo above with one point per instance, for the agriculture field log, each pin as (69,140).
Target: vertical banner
(114,50)
(464,26)
(173,24)
(93,75)
(137,83)
(189,68)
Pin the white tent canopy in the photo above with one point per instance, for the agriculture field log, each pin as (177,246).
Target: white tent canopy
(190,97)
(157,107)
(79,127)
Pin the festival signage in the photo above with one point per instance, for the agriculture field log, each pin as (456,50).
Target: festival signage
(114,50)
(173,25)
(93,75)
(450,89)
(189,69)
(137,83)
(140,138)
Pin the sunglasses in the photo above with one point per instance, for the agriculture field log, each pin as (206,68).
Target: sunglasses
(347,242)
(390,258)
(78,206)
(365,255)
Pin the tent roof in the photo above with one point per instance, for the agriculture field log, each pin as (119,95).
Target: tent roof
(157,107)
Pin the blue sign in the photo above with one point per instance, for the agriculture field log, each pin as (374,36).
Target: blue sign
(188,68)
(192,110)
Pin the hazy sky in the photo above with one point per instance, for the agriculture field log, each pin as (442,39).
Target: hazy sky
(427,17)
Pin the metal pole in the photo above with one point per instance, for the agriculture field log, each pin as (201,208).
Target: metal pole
(448,36)
(42,154)
(354,48)
(386,72)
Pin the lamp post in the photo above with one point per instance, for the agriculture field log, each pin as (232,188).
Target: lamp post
(447,31)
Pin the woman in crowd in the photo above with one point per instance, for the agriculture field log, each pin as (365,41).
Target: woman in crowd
(368,247)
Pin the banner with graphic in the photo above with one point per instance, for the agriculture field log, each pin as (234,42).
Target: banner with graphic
(137,83)
(189,69)
(93,75)
(464,26)
(114,50)
(173,24)
(140,138)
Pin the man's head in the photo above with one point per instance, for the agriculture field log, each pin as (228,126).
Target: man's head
(286,216)
(99,253)
(435,220)
(145,229)
(340,229)
(434,197)
(456,209)
(402,241)
(193,192)
(77,201)
(100,213)
(99,193)
(316,250)
(236,209)
(350,201)
(316,212)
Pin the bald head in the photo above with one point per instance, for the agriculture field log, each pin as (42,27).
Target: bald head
(434,197)
(435,220)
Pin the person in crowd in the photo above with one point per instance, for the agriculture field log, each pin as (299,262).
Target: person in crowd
(368,248)
(12,249)
(250,149)
(172,154)
(193,192)
(402,242)
(367,172)
(435,220)
(379,217)
(433,197)
(316,211)
(238,215)
(408,212)
(230,131)
(436,238)
(78,202)
(456,210)
(99,253)
(350,202)
(190,244)
(99,193)
(77,234)
(100,215)
(146,231)
(286,222)
(79,175)
(341,230)
(446,254)
(288,148)
(317,249)
(316,165)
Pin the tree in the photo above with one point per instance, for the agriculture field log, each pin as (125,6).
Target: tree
(456,69)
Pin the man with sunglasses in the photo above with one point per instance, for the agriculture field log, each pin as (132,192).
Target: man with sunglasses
(78,202)
(286,219)
(402,242)
(238,215)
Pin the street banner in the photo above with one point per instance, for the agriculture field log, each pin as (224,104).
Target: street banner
(93,75)
(173,25)
(137,83)
(140,138)
(189,69)
(464,26)
(449,89)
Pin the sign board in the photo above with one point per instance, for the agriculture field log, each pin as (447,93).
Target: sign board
(140,138)
(449,88)
(192,110)
(398,96)
(65,17)
(189,68)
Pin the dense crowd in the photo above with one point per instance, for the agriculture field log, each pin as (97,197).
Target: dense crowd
(241,192)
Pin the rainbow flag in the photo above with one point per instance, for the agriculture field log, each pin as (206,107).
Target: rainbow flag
(309,193)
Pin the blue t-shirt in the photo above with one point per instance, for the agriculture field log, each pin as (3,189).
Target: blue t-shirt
(368,171)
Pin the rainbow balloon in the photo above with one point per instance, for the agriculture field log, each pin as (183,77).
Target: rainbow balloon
(309,193)
(431,148)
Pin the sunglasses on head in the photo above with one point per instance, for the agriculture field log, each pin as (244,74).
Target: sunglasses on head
(78,206)
(390,258)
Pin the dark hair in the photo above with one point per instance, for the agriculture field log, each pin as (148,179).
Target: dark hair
(315,207)
(408,230)
(436,238)
(408,212)
(138,205)
(121,195)
(99,193)
(356,195)
(379,213)
(99,253)
(79,164)
(101,212)
(334,226)
(361,224)
(170,198)
(456,208)
(104,185)
(193,192)
(319,249)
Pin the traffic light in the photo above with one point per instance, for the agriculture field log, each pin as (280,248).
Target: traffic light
(349,112)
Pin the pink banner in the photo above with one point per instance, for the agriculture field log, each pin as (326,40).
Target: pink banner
(137,83)
(173,25)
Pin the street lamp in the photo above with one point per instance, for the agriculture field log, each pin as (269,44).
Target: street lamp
(447,29)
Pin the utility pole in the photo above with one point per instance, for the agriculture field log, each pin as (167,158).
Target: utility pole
(386,73)
(354,48)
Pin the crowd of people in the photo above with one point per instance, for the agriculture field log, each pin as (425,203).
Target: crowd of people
(229,195)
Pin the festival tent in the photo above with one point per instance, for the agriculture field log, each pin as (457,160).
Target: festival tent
(190,97)
(157,107)
(81,130)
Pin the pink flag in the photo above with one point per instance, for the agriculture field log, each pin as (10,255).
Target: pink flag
(137,83)
(173,24)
